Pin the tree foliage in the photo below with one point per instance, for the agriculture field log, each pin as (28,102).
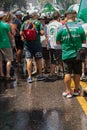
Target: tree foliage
(7,5)
(65,3)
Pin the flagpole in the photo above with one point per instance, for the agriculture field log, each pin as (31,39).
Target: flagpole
(79,8)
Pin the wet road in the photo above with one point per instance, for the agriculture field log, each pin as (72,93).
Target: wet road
(38,106)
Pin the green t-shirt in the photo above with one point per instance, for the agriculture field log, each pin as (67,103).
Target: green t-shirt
(69,47)
(4,38)
(38,27)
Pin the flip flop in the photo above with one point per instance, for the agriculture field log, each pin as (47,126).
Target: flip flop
(2,77)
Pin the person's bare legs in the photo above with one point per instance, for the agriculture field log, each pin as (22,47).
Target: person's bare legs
(8,68)
(76,81)
(19,55)
(34,66)
(39,66)
(67,81)
(1,69)
(52,71)
(29,67)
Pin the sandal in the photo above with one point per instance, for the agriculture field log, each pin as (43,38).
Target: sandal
(10,79)
(2,77)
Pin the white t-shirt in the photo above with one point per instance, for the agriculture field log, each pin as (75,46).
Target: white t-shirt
(43,37)
(52,29)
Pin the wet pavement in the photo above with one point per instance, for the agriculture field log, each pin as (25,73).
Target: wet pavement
(38,106)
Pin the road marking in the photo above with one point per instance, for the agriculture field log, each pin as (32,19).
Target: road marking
(82,101)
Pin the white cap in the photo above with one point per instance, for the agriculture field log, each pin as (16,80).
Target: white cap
(2,14)
(18,13)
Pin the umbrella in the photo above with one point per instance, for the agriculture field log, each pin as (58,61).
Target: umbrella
(74,7)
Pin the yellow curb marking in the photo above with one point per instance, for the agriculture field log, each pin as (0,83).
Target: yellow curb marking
(82,101)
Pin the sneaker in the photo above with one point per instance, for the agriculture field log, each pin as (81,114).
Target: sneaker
(51,78)
(82,78)
(29,80)
(41,78)
(67,94)
(76,92)
(34,73)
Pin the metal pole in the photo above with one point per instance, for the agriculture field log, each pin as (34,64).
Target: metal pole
(10,5)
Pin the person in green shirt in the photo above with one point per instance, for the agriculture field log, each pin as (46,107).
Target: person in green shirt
(33,48)
(5,48)
(69,52)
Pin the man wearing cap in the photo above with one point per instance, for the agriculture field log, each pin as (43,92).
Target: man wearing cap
(33,48)
(71,36)
(5,47)
(55,50)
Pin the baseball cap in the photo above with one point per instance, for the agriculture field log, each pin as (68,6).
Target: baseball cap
(18,13)
(2,14)
(34,14)
(42,17)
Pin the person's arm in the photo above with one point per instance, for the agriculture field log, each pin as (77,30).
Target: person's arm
(42,32)
(41,29)
(58,37)
(83,42)
(58,42)
(8,29)
(21,32)
(10,37)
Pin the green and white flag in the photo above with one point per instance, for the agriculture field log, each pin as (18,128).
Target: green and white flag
(82,13)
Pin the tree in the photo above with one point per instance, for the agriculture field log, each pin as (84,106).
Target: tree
(65,3)
(7,5)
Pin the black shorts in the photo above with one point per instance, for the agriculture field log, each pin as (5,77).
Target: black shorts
(19,43)
(45,53)
(56,56)
(72,66)
(84,54)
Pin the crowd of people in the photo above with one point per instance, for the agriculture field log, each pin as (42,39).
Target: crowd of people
(49,45)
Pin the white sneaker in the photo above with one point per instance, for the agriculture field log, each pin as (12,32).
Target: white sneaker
(67,95)
(64,94)
(83,77)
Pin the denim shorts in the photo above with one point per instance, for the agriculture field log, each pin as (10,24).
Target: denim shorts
(72,66)
(33,50)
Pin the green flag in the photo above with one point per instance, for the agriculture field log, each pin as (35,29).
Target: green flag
(82,13)
(48,8)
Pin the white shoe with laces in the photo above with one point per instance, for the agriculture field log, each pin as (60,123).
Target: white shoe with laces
(67,94)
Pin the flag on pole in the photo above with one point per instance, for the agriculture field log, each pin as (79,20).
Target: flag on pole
(82,13)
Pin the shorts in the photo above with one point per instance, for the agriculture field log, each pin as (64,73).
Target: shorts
(85,54)
(19,43)
(6,54)
(72,66)
(55,55)
(45,53)
(33,50)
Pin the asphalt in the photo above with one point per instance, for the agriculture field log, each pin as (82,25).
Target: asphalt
(38,106)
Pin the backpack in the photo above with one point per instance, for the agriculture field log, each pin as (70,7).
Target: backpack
(29,32)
